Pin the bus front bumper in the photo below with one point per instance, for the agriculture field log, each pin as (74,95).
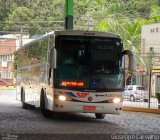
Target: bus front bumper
(68,106)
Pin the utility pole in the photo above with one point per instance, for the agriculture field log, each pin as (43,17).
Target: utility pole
(151,54)
(150,79)
(68,14)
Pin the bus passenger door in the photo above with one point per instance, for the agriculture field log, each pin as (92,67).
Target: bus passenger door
(49,91)
(50,88)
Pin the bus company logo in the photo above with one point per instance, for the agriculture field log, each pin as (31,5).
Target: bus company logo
(82,94)
(90,98)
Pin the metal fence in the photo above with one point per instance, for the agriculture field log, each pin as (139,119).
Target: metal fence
(141,104)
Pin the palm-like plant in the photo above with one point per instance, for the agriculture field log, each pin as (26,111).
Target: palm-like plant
(155,14)
(130,30)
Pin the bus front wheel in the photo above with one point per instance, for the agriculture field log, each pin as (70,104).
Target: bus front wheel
(100,115)
(45,112)
(24,105)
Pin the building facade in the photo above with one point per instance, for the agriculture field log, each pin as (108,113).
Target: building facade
(9,43)
(150,51)
(7,49)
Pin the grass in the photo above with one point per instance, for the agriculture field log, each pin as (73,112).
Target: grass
(7,87)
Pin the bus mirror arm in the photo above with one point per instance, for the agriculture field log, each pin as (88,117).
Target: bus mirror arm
(131,59)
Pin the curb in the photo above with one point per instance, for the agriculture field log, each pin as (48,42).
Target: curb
(136,109)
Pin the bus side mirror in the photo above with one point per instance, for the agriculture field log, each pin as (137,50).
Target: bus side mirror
(131,60)
(53,58)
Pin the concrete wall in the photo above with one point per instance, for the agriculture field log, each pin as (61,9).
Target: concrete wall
(150,43)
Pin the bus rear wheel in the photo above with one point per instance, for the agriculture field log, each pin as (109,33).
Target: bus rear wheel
(100,115)
(24,105)
(132,99)
(45,112)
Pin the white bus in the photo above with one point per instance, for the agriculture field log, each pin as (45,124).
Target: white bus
(73,71)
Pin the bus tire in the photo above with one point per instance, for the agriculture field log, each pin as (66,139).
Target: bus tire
(24,105)
(45,112)
(132,99)
(100,115)
(32,107)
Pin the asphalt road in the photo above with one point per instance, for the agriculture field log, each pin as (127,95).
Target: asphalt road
(17,123)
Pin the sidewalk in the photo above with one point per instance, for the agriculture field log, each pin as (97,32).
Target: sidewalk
(8,96)
(140,109)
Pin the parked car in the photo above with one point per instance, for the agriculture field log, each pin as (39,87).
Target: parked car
(136,92)
(3,83)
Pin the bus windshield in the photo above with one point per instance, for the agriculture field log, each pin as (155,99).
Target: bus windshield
(89,63)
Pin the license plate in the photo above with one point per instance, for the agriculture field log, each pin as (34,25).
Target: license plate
(89,108)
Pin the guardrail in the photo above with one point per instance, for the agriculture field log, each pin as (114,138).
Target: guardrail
(153,103)
(141,106)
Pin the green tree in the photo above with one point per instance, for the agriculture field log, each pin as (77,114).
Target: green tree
(155,14)
(38,16)
(130,30)
(5,8)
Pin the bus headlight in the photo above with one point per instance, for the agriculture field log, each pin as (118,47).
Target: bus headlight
(116,100)
(62,98)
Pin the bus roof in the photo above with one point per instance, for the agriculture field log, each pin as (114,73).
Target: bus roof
(85,33)
(79,33)
(76,33)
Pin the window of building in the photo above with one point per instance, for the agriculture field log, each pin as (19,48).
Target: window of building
(7,57)
(6,74)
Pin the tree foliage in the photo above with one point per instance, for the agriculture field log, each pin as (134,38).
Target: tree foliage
(124,17)
(40,16)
